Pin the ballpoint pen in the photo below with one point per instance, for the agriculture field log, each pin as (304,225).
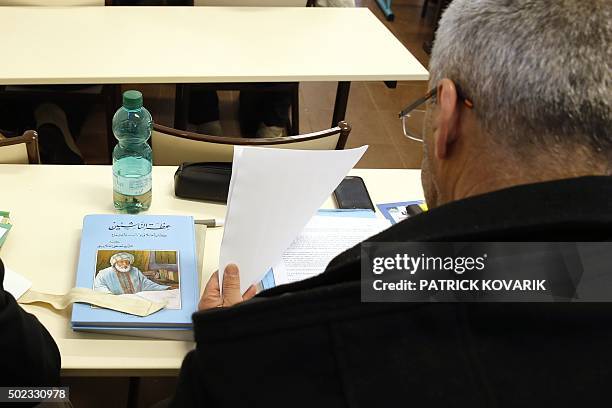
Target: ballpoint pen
(211,223)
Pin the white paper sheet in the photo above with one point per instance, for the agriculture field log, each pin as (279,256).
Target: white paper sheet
(322,239)
(273,193)
(14,283)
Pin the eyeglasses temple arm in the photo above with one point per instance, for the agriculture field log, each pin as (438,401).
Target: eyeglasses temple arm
(418,102)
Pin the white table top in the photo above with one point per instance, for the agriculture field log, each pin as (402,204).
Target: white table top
(47,205)
(104,45)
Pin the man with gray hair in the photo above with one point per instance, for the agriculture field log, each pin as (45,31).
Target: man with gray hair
(517,147)
(523,95)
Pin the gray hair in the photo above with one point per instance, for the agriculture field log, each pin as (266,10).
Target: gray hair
(537,71)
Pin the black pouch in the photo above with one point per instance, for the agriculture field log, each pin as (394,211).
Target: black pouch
(203,181)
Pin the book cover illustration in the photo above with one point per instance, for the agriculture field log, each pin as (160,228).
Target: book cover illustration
(151,256)
(153,275)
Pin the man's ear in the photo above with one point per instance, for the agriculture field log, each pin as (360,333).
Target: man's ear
(448,117)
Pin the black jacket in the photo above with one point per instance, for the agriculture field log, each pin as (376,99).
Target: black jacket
(28,354)
(314,344)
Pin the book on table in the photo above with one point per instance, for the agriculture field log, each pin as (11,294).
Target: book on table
(150,256)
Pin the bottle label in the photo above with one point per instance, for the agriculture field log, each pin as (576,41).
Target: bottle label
(132,186)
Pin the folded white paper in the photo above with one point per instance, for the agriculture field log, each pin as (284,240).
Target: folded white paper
(171,297)
(15,284)
(135,305)
(273,193)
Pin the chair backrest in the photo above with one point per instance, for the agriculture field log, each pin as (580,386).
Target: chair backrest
(173,147)
(55,3)
(251,3)
(20,150)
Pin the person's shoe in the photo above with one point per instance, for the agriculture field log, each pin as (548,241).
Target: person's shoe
(51,114)
(211,128)
(265,131)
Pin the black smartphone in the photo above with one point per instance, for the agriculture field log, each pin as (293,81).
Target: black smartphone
(353,194)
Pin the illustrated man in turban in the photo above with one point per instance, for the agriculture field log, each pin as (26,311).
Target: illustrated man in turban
(121,277)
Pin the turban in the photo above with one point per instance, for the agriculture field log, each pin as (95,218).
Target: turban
(120,257)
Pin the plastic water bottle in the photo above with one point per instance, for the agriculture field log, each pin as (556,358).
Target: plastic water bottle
(132,157)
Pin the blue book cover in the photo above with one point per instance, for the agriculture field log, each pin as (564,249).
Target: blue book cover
(151,256)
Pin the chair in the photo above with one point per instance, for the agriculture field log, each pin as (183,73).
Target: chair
(173,146)
(20,150)
(183,90)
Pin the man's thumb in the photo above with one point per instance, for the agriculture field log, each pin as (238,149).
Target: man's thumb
(231,285)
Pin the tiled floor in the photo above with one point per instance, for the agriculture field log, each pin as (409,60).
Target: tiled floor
(372,113)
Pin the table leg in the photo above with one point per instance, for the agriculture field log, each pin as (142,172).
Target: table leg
(442,4)
(342,94)
(133,390)
(181,106)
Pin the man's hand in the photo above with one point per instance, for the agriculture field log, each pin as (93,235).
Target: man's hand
(231,290)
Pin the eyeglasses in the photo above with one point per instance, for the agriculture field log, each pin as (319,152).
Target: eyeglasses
(410,115)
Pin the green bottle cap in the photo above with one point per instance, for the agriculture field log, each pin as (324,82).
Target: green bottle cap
(132,99)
